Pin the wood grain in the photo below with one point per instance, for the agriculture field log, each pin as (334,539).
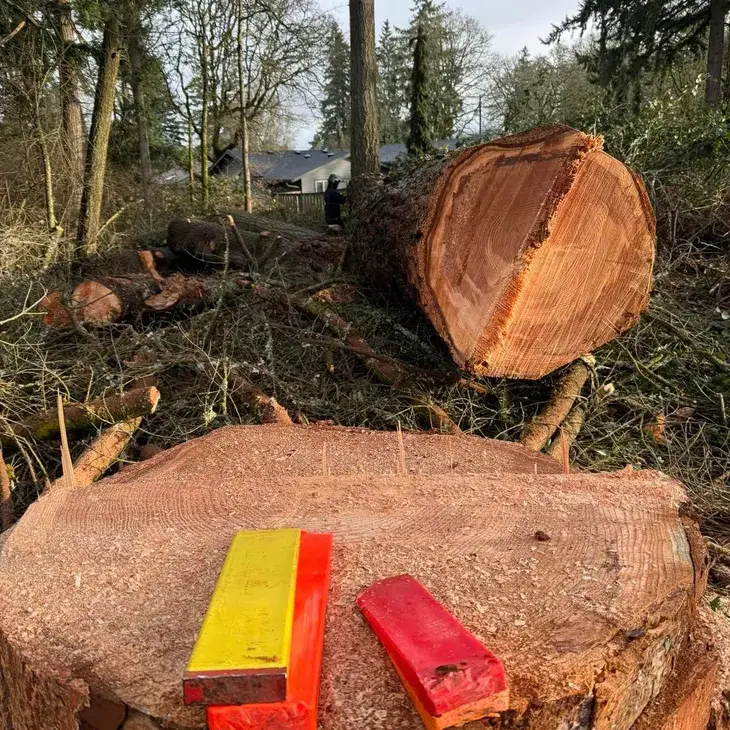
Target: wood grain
(611,595)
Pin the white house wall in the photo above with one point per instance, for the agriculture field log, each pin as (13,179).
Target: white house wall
(339,167)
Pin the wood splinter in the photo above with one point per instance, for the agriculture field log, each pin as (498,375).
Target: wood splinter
(451,677)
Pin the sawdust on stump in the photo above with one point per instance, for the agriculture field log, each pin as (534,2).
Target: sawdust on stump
(108,583)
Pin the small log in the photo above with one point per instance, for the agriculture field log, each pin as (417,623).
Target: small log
(206,241)
(560,448)
(268,408)
(101,453)
(553,413)
(99,302)
(524,252)
(7,513)
(81,417)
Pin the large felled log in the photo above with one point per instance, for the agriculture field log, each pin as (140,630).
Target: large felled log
(80,417)
(107,585)
(524,253)
(207,240)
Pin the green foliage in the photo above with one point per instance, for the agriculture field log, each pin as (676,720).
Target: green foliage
(419,135)
(393,79)
(334,130)
(636,36)
(459,60)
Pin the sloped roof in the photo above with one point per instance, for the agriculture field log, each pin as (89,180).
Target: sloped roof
(389,153)
(293,164)
(288,164)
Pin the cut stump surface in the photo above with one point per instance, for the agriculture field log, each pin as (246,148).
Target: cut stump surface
(104,587)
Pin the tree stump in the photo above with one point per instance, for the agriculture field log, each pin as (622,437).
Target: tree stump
(524,253)
(585,585)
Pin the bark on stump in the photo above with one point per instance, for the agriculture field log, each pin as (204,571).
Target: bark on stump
(524,253)
(586,586)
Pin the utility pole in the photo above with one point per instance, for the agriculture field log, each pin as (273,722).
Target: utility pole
(480,116)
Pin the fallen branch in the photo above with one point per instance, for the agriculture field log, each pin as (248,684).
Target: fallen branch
(101,453)
(389,371)
(81,417)
(538,432)
(7,513)
(559,449)
(268,408)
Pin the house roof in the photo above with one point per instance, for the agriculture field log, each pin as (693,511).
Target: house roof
(389,153)
(293,164)
(288,164)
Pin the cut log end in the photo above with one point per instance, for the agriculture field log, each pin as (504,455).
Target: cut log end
(528,251)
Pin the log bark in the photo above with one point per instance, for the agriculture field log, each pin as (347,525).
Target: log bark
(101,453)
(566,391)
(590,623)
(85,416)
(207,242)
(524,253)
(105,300)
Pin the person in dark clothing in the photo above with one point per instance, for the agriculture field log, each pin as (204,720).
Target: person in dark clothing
(333,199)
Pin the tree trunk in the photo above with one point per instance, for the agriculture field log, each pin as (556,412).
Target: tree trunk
(588,587)
(363,91)
(715,52)
(71,112)
(524,253)
(204,101)
(191,163)
(96,153)
(135,50)
(242,101)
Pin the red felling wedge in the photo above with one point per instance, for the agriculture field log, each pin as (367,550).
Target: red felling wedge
(299,710)
(451,676)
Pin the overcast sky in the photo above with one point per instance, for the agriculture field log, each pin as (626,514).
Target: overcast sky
(513,24)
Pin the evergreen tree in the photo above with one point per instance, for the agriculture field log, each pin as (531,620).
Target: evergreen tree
(419,136)
(458,53)
(334,130)
(635,36)
(392,56)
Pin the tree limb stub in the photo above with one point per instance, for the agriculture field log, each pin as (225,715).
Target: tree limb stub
(81,417)
(553,413)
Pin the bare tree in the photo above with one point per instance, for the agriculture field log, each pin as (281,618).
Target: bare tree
(97,148)
(363,80)
(135,53)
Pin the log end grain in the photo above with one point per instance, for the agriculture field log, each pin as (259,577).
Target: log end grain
(110,582)
(535,249)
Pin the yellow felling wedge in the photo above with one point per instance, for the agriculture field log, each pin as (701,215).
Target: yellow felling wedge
(242,652)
